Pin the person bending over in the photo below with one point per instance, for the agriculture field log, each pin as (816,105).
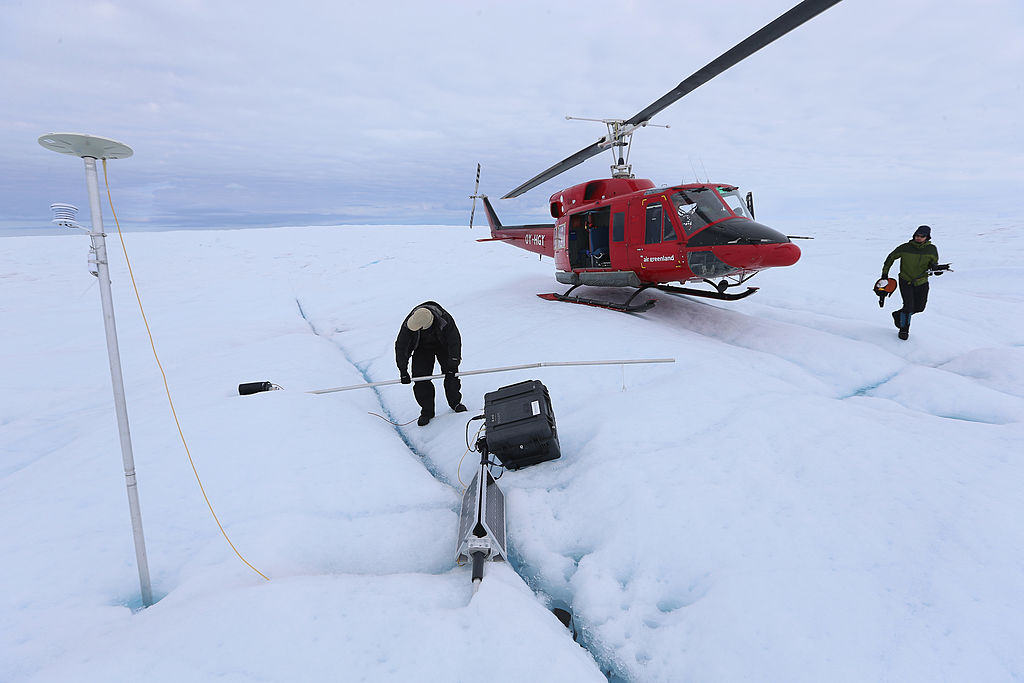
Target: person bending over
(427,333)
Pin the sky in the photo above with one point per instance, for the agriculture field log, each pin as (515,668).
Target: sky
(800,496)
(327,113)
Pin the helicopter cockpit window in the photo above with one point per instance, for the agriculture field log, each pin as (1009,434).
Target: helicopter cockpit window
(731,195)
(686,210)
(698,208)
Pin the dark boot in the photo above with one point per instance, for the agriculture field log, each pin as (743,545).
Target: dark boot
(896,318)
(452,390)
(904,323)
(459,408)
(424,393)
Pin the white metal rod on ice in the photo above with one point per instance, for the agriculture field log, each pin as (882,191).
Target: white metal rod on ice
(527,366)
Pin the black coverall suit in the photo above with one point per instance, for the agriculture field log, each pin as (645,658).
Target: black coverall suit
(442,341)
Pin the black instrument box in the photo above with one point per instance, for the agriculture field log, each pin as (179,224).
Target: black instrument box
(520,425)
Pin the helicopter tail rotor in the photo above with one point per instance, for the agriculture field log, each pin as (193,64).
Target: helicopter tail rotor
(476,191)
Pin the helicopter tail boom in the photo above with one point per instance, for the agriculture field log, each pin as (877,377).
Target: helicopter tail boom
(538,238)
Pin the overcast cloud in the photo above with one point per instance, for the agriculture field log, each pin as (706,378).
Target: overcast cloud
(270,113)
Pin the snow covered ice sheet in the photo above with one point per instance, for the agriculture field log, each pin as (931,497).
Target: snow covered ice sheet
(800,497)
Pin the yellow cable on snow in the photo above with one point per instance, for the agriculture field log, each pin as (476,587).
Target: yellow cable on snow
(166,387)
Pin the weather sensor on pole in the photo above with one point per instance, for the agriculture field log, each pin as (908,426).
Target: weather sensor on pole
(65,216)
(91,148)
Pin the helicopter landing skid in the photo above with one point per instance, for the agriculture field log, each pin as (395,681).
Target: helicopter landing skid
(721,295)
(626,307)
(629,307)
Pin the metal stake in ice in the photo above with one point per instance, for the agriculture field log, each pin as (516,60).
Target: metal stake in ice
(91,148)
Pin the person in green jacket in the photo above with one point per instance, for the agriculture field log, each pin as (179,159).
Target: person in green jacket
(916,258)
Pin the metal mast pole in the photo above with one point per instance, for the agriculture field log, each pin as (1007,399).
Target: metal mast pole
(90,148)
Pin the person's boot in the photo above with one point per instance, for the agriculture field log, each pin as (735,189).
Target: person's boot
(424,418)
(896,318)
(904,333)
(459,408)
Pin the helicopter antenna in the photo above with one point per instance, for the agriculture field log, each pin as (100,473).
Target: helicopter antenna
(476,191)
(693,168)
(618,139)
(707,178)
(619,130)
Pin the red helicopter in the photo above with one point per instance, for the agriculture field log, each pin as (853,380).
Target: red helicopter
(625,232)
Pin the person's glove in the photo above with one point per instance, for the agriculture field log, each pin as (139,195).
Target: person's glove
(405,377)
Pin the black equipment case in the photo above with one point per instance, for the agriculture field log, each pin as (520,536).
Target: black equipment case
(520,425)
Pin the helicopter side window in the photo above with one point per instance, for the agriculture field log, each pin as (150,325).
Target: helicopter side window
(619,226)
(574,245)
(670,231)
(652,230)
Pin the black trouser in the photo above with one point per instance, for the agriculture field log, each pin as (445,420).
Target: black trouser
(915,298)
(423,365)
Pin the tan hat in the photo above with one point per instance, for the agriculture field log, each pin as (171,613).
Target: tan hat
(420,319)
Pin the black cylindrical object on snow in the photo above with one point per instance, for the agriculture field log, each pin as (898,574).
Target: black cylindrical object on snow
(254,388)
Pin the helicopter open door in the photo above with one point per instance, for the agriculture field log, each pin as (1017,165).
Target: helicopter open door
(589,239)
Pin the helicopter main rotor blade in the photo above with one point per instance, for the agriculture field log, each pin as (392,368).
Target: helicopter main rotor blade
(563,165)
(802,13)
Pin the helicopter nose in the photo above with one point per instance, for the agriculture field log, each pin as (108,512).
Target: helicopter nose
(776,255)
(747,245)
(757,256)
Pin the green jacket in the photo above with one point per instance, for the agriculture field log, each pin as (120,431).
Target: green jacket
(915,259)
